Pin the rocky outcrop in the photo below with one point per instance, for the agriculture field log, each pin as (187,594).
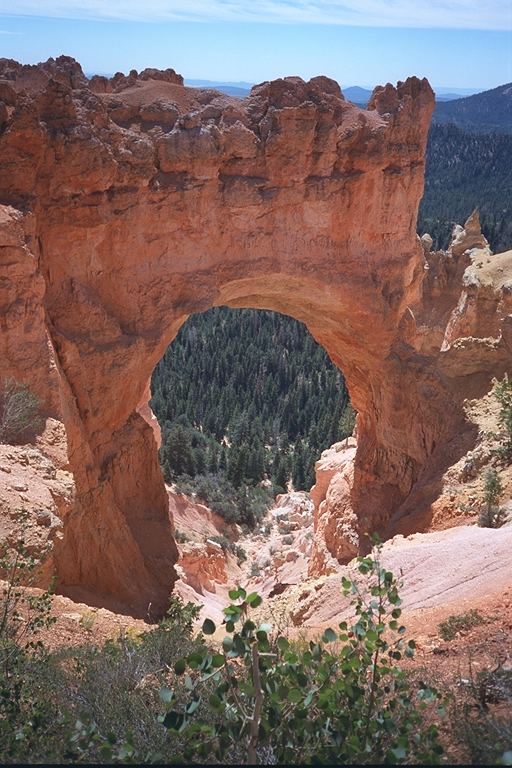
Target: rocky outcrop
(278,552)
(151,203)
(25,349)
(336,530)
(36,495)
(202,566)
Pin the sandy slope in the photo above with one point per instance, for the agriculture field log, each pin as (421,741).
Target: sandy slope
(449,571)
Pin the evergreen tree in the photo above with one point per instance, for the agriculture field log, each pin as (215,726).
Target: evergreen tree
(256,464)
(178,456)
(280,477)
(237,466)
(299,469)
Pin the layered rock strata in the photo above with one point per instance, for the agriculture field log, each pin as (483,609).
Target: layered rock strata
(142,202)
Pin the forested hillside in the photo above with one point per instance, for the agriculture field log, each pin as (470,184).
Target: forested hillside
(486,111)
(245,396)
(466,171)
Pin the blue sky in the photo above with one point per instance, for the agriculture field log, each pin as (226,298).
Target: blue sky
(459,43)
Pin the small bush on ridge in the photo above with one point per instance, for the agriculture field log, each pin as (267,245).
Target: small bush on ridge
(460,623)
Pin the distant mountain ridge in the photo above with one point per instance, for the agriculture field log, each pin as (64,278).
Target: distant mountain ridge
(487,111)
(240,89)
(361,96)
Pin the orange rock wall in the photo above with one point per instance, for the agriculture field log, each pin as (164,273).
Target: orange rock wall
(157,201)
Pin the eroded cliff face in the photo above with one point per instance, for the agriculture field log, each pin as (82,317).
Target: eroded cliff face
(142,201)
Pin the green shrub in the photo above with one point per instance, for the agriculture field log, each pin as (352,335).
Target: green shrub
(245,505)
(19,412)
(222,541)
(258,699)
(24,717)
(491,515)
(240,553)
(482,716)
(93,703)
(503,394)
(340,700)
(460,623)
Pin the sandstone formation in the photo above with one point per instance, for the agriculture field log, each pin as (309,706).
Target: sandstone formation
(137,203)
(202,566)
(336,525)
(36,495)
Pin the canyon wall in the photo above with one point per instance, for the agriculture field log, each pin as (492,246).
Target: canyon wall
(142,201)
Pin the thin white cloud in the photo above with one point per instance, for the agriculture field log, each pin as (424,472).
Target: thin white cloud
(455,14)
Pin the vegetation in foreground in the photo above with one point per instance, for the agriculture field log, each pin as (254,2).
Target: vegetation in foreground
(167,696)
(342,699)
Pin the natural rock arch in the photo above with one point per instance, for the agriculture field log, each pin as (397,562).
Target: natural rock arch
(148,204)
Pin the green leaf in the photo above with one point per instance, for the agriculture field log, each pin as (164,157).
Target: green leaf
(195,659)
(236,594)
(227,643)
(309,699)
(329,636)
(180,666)
(282,644)
(208,627)
(166,695)
(191,708)
(294,696)
(218,660)
(254,599)
(215,702)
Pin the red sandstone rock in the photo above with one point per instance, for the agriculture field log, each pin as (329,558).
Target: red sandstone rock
(336,538)
(293,200)
(202,566)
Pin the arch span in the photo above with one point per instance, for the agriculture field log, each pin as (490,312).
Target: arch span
(155,201)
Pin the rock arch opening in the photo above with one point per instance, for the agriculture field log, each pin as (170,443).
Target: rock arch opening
(291,200)
(246,401)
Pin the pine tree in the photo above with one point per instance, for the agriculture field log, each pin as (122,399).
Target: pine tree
(280,477)
(178,456)
(299,469)
(237,465)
